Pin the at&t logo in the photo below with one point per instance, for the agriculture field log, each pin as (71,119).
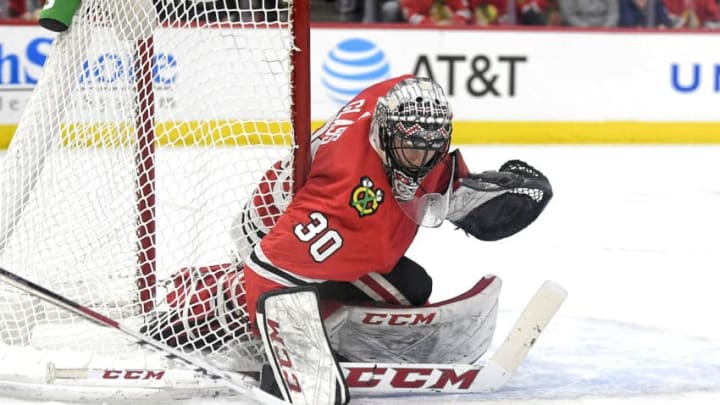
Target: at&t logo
(351,66)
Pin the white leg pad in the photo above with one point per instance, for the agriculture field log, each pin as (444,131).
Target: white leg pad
(459,330)
(298,349)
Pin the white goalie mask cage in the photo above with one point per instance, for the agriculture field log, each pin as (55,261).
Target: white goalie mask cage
(414,116)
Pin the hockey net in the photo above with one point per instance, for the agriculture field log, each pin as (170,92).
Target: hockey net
(148,131)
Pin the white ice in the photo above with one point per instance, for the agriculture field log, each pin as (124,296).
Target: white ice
(631,234)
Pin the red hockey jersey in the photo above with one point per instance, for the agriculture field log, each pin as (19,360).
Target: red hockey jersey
(344,222)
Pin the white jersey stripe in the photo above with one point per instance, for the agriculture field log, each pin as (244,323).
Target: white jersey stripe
(380,288)
(262,266)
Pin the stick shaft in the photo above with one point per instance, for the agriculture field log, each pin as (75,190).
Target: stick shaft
(202,366)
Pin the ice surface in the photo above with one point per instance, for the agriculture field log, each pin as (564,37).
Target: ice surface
(632,235)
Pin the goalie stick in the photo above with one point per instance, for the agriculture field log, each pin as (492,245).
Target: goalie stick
(371,379)
(228,380)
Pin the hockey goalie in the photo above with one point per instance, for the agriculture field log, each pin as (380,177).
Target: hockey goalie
(335,251)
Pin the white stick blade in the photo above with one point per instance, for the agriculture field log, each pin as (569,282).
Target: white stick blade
(533,320)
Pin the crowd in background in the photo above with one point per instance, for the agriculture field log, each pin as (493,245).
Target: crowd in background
(22,9)
(693,14)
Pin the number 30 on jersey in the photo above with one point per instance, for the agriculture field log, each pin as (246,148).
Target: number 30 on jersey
(323,240)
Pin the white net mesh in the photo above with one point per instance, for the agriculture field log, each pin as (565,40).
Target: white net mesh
(151,126)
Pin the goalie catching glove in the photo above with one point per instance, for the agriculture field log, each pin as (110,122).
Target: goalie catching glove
(496,204)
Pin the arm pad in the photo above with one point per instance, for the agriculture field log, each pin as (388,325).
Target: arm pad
(496,204)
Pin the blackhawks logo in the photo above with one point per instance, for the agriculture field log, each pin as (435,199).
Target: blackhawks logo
(364,199)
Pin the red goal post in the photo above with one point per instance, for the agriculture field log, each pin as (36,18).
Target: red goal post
(149,129)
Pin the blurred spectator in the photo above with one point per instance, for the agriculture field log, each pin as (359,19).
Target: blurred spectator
(16,8)
(590,13)
(273,10)
(531,12)
(694,13)
(367,11)
(466,12)
(325,11)
(509,12)
(350,10)
(554,15)
(644,13)
(491,12)
(428,12)
(500,12)
(211,11)
(25,9)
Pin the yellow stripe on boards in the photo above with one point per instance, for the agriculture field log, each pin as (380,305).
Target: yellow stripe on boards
(6,133)
(223,133)
(611,132)
(242,133)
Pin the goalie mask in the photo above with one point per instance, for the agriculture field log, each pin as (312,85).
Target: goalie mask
(411,132)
